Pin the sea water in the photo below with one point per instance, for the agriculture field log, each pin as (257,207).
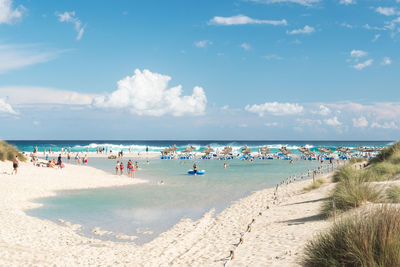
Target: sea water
(146,210)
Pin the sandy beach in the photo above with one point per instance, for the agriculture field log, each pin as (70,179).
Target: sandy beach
(276,236)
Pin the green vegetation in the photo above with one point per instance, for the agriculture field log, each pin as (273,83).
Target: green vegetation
(357,160)
(8,152)
(393,194)
(317,184)
(367,239)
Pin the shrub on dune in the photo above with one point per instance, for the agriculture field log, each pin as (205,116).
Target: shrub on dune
(393,194)
(317,184)
(366,239)
(350,193)
(8,152)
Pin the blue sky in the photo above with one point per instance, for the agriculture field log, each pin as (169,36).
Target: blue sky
(245,69)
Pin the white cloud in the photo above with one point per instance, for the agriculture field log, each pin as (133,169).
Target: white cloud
(364,64)
(347,2)
(344,24)
(245,46)
(226,107)
(385,125)
(376,37)
(70,17)
(18,56)
(387,11)
(272,56)
(358,53)
(203,43)
(35,95)
(332,121)
(300,2)
(386,61)
(243,20)
(271,124)
(360,122)
(306,30)
(275,108)
(6,108)
(8,14)
(324,110)
(147,93)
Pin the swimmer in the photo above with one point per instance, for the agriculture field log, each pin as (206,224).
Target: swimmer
(225,166)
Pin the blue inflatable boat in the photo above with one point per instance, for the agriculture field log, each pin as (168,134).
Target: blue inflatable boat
(191,172)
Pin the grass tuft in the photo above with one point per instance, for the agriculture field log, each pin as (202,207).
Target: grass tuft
(393,194)
(317,184)
(366,239)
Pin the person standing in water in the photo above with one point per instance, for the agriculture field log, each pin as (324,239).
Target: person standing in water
(116,168)
(224,165)
(195,168)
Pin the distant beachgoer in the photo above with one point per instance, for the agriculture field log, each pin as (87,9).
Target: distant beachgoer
(224,165)
(110,150)
(147,162)
(85,159)
(59,161)
(195,168)
(147,149)
(129,167)
(15,165)
(116,168)
(121,168)
(69,157)
(136,165)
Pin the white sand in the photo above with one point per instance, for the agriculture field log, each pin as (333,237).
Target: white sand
(276,238)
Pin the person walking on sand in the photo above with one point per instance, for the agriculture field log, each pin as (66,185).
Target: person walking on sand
(15,165)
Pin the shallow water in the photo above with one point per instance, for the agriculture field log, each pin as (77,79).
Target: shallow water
(157,206)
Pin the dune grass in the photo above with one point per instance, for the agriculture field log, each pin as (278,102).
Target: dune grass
(393,194)
(8,152)
(366,239)
(315,185)
(349,194)
(357,160)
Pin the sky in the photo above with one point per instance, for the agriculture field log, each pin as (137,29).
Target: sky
(205,69)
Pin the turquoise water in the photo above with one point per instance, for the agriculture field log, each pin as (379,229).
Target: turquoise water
(157,206)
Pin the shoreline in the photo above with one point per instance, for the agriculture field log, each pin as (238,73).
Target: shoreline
(188,236)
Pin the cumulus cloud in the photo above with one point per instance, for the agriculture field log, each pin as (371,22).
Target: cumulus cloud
(147,93)
(35,95)
(6,108)
(385,125)
(376,37)
(334,121)
(245,46)
(203,43)
(358,53)
(14,57)
(275,108)
(300,2)
(243,20)
(8,14)
(386,11)
(386,61)
(306,30)
(364,64)
(347,2)
(360,122)
(324,110)
(70,17)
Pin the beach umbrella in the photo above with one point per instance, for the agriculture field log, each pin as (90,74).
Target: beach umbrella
(227,150)
(208,150)
(166,150)
(265,150)
(189,149)
(246,150)
(304,149)
(285,151)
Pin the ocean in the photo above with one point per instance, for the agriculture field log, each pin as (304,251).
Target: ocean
(146,210)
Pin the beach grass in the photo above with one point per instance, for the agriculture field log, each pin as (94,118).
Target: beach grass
(393,194)
(357,160)
(8,152)
(315,185)
(366,239)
